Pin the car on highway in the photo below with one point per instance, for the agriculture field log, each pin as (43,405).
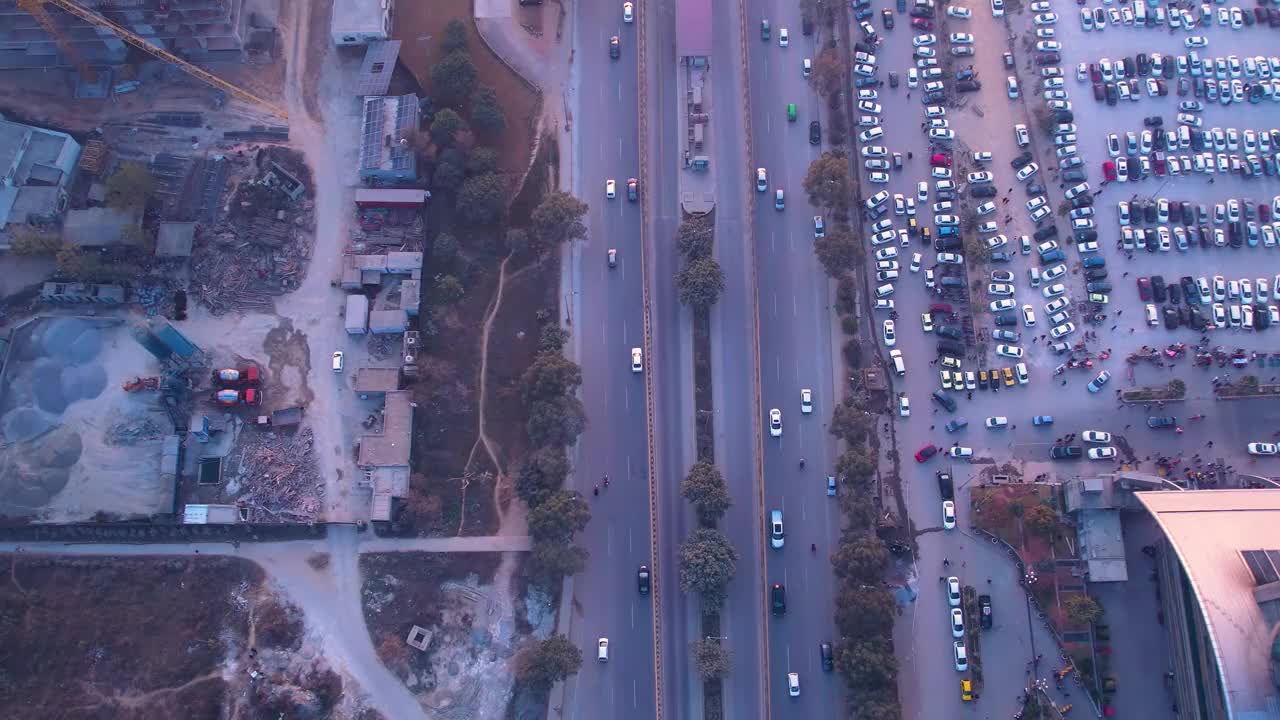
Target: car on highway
(610,189)
(793,684)
(775,422)
(784,39)
(615,47)
(633,189)
(642,579)
(778,599)
(602,649)
(628,12)
(637,360)
(777,538)
(762,180)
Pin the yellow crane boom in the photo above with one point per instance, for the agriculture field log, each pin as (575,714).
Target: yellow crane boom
(143,45)
(35,8)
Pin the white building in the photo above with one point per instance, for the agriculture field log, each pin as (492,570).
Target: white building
(360,22)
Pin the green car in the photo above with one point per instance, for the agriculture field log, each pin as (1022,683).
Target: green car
(791,112)
(764,30)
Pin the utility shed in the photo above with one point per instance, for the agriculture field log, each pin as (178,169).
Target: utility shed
(175,239)
(377,380)
(390,198)
(101,227)
(403,262)
(210,515)
(388,322)
(357,315)
(360,22)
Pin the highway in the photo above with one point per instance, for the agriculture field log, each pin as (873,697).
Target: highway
(796,353)
(606,320)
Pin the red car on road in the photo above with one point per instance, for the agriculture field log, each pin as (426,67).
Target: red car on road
(926,452)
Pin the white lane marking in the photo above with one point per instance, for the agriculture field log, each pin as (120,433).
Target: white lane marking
(773,242)
(624,332)
(635,695)
(768,124)
(619,150)
(619,92)
(775,305)
(795,312)
(626,396)
(608,541)
(777,367)
(628,468)
(633,615)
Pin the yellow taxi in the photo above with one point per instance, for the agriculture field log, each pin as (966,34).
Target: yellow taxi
(966,690)
(1008,377)
(950,362)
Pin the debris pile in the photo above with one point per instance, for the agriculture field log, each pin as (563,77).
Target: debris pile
(133,430)
(382,347)
(279,477)
(260,249)
(388,227)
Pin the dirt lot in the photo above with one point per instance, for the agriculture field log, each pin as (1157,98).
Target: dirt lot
(463,671)
(155,638)
(419,24)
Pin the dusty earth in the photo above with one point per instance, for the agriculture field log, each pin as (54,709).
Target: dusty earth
(156,638)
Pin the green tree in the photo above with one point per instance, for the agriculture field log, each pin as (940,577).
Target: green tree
(858,466)
(129,186)
(828,72)
(445,127)
(455,36)
(445,249)
(483,160)
(542,473)
(552,338)
(1178,388)
(704,487)
(517,241)
(482,199)
(550,375)
(867,664)
(1082,609)
(694,237)
(486,112)
(29,241)
(550,562)
(859,514)
(837,250)
(712,659)
(827,181)
(850,422)
(559,517)
(447,178)
(448,290)
(881,706)
(864,611)
(1040,519)
(701,282)
(860,559)
(453,78)
(707,563)
(555,421)
(549,662)
(558,219)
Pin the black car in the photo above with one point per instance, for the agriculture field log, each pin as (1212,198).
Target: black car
(825,655)
(1101,286)
(1189,289)
(614,48)
(968,85)
(1001,257)
(778,599)
(642,579)
(815,133)
(1065,452)
(1261,317)
(1048,58)
(950,347)
(887,16)
(949,331)
(1035,189)
(950,243)
(983,191)
(1197,321)
(1021,161)
(1074,175)
(1112,94)
(944,400)
(1045,233)
(1153,121)
(1159,291)
(1171,319)
(1005,319)
(1095,274)
(1100,92)
(1144,65)
(1188,213)
(984,608)
(1175,294)
(946,486)
(1161,422)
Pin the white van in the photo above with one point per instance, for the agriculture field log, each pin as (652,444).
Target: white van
(1035,276)
(885,290)
(899,366)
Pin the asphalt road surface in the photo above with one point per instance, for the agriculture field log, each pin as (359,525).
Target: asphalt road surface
(607,322)
(795,354)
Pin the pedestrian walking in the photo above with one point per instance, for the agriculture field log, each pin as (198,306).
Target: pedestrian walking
(1118,314)
(1125,275)
(1064,383)
(1113,327)
(1210,181)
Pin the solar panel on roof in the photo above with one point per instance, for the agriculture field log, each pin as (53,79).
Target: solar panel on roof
(1262,565)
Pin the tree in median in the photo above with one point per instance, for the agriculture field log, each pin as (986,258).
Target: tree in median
(827,181)
(694,237)
(707,563)
(712,659)
(558,219)
(1082,609)
(860,559)
(453,78)
(858,466)
(559,516)
(864,612)
(837,250)
(704,487)
(549,662)
(850,422)
(867,664)
(828,72)
(701,282)
(482,199)
(880,705)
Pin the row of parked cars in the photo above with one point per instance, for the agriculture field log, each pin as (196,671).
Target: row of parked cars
(1235,223)
(1237,303)
(1152,151)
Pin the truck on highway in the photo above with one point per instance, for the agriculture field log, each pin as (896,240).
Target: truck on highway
(946,488)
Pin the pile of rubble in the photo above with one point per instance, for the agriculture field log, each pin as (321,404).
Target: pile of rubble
(260,249)
(279,478)
(133,430)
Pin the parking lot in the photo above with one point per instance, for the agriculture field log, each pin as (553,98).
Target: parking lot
(1077,330)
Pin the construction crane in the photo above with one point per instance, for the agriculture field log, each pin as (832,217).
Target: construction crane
(36,9)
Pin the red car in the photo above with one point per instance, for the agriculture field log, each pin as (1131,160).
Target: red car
(1264,212)
(941,308)
(921,24)
(1109,170)
(1095,72)
(1144,288)
(926,452)
(940,160)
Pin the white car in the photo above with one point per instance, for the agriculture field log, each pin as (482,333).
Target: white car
(924,40)
(980,178)
(1060,331)
(948,515)
(997,8)
(602,649)
(890,334)
(1196,41)
(904,406)
(1102,453)
(1027,171)
(957,11)
(1009,351)
(961,39)
(960,451)
(962,655)
(1000,289)
(784,39)
(762,180)
(957,622)
(1262,448)
(628,12)
(1054,290)
(793,684)
(610,189)
(953,591)
(775,422)
(806,401)
(996,422)
(1097,437)
(1003,304)
(1028,316)
(637,360)
(1045,18)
